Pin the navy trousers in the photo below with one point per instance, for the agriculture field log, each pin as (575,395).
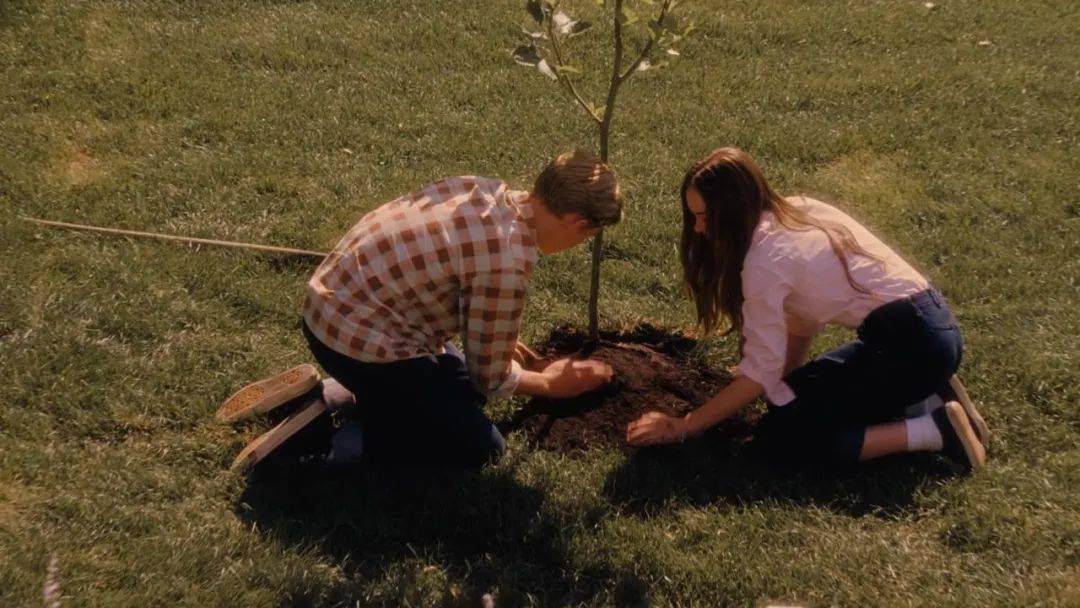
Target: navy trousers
(420,412)
(906,351)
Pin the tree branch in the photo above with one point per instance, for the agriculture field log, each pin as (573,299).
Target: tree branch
(566,82)
(648,45)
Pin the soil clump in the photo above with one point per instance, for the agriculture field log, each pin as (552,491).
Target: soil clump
(654,371)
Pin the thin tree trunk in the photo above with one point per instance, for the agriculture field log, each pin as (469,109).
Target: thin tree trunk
(594,287)
(605,132)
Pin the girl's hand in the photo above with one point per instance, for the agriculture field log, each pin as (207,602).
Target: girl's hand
(654,428)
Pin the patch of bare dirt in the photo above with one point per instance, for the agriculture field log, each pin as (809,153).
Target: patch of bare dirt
(653,372)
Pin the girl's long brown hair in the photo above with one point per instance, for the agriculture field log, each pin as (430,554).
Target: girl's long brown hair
(736,194)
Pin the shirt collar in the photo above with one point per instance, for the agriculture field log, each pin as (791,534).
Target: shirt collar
(520,201)
(525,218)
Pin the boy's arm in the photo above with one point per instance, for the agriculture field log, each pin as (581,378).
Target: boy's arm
(491,307)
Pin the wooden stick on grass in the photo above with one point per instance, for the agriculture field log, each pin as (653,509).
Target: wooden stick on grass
(182,239)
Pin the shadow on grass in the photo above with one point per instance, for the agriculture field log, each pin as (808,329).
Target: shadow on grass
(485,530)
(712,469)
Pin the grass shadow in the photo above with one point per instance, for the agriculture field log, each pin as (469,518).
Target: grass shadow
(714,469)
(485,530)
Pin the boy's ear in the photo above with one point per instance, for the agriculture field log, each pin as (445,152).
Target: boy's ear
(577,221)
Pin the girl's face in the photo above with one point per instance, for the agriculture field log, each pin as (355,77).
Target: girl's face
(696,205)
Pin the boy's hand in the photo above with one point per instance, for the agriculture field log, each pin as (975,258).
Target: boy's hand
(654,427)
(528,359)
(569,378)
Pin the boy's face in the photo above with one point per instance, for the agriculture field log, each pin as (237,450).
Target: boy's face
(569,230)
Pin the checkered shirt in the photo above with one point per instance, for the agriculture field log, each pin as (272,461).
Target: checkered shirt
(451,258)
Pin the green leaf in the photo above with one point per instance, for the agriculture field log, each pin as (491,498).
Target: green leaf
(546,70)
(527,54)
(565,25)
(562,22)
(534,35)
(579,26)
(535,9)
(647,65)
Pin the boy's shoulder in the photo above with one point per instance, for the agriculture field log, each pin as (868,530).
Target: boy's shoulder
(465,185)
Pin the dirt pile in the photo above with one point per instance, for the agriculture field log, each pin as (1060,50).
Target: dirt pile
(653,372)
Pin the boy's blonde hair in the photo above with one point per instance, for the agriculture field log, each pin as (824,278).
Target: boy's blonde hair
(578,182)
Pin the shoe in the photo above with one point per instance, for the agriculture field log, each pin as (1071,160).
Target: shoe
(312,418)
(955,391)
(960,442)
(262,396)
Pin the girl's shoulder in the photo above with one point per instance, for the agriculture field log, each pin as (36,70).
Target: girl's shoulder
(771,242)
(811,205)
(775,243)
(819,209)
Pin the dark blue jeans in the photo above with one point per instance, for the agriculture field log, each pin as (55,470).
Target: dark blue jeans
(906,351)
(421,412)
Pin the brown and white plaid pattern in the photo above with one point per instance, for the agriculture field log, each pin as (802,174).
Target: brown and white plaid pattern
(451,258)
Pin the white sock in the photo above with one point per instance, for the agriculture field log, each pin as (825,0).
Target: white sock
(926,406)
(923,434)
(336,396)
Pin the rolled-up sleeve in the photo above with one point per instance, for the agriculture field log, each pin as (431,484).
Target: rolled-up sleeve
(491,307)
(765,330)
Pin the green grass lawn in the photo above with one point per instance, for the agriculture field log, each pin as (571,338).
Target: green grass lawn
(951,130)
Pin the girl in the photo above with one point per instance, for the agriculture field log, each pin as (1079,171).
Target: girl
(778,270)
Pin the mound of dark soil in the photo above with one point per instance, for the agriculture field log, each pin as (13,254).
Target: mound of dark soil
(653,372)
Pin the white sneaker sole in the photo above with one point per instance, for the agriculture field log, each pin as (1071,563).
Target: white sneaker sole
(961,396)
(262,396)
(263,445)
(973,449)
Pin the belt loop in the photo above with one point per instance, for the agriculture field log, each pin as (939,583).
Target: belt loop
(935,295)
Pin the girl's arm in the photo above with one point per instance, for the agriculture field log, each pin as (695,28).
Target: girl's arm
(655,427)
(797,349)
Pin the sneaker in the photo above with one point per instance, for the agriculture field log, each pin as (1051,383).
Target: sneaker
(312,418)
(262,396)
(958,436)
(955,391)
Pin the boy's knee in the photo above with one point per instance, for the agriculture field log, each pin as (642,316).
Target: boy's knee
(485,448)
(491,448)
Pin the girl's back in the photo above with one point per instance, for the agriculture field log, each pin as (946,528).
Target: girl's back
(801,262)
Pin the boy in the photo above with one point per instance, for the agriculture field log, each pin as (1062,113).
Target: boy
(453,258)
